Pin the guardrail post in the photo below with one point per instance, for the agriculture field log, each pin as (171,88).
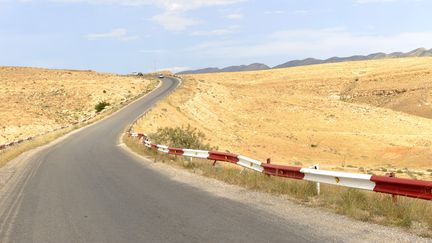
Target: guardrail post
(268,162)
(392,174)
(318,185)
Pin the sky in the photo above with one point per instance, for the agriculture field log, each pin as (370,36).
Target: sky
(148,35)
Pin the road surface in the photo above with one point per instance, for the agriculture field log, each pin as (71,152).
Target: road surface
(86,188)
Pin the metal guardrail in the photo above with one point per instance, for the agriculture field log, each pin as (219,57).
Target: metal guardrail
(420,189)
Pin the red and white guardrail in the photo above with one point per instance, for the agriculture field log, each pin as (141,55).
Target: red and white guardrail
(396,186)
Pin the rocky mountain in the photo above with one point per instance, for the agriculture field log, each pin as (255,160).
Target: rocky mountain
(420,52)
(204,70)
(250,67)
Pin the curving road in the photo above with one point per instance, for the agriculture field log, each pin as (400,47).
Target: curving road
(85,188)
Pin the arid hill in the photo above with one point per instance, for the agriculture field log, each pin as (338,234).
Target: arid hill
(367,116)
(35,100)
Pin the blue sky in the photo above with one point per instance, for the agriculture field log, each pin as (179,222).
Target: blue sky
(147,35)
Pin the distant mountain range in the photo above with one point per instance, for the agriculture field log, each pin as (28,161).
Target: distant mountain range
(250,67)
(420,52)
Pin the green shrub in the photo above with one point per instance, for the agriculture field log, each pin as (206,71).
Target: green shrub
(101,105)
(181,137)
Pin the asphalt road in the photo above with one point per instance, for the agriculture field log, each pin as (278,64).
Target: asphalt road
(88,189)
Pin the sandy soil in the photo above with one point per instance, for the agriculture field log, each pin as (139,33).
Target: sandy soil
(369,116)
(35,100)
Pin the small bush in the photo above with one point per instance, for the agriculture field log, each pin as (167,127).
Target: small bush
(181,137)
(101,105)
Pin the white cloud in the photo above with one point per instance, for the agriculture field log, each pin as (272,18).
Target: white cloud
(168,5)
(174,16)
(234,16)
(115,34)
(174,13)
(175,22)
(299,11)
(175,69)
(217,32)
(320,43)
(186,5)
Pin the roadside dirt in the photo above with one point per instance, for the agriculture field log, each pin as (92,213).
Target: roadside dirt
(36,100)
(368,116)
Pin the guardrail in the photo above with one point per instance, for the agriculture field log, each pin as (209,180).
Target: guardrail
(395,186)
(16,142)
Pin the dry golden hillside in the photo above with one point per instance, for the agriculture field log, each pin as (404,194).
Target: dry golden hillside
(368,116)
(35,100)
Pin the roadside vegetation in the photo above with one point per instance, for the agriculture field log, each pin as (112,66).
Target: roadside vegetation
(181,137)
(411,214)
(101,106)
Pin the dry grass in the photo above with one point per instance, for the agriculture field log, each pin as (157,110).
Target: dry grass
(369,116)
(13,152)
(413,215)
(36,100)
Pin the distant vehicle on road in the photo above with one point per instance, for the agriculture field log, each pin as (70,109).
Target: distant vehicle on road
(161,76)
